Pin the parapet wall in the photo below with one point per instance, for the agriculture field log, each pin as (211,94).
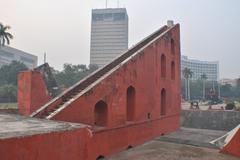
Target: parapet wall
(216,120)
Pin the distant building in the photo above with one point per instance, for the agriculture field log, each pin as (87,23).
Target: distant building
(232,82)
(109,34)
(210,68)
(9,54)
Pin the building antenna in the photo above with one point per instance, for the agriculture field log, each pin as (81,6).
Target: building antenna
(106,3)
(44,58)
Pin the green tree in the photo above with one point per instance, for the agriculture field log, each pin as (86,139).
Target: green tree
(8,93)
(92,67)
(187,74)
(204,78)
(5,36)
(8,73)
(71,74)
(196,89)
(227,90)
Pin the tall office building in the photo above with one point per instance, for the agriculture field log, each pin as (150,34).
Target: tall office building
(210,68)
(109,34)
(9,54)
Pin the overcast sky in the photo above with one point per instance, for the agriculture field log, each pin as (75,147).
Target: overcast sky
(210,29)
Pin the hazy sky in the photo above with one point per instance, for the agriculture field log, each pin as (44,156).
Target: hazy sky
(210,29)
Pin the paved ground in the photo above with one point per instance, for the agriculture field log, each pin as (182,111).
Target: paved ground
(184,144)
(192,136)
(158,150)
(12,125)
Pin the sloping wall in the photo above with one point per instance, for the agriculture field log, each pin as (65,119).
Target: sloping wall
(154,73)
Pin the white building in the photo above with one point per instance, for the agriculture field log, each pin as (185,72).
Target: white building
(9,54)
(109,34)
(232,82)
(210,68)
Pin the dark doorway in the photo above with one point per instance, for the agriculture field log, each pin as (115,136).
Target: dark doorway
(163,102)
(101,113)
(173,70)
(130,103)
(163,66)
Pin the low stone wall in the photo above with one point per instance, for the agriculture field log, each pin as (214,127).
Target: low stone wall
(11,111)
(215,120)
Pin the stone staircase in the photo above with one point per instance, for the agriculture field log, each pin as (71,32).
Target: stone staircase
(63,100)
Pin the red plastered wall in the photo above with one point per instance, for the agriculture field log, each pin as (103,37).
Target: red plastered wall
(233,146)
(64,145)
(143,73)
(32,92)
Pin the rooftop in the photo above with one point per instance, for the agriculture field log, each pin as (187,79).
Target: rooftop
(13,125)
(16,51)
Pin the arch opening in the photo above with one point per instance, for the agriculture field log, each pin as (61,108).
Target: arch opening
(173,70)
(130,103)
(163,66)
(149,116)
(101,113)
(100,157)
(163,102)
(172,46)
(130,147)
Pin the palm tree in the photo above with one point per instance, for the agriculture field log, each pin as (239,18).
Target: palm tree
(187,74)
(4,35)
(204,78)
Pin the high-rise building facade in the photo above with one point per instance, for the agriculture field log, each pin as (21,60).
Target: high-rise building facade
(109,34)
(209,68)
(9,54)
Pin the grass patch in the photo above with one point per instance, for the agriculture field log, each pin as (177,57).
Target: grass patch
(8,106)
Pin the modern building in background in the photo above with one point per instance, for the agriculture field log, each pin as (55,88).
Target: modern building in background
(232,82)
(210,68)
(109,34)
(9,54)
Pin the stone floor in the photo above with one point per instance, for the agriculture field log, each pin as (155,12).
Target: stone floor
(184,144)
(158,150)
(192,136)
(12,125)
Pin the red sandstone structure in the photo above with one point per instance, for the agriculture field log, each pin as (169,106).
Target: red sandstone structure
(35,88)
(230,142)
(233,143)
(131,100)
(32,92)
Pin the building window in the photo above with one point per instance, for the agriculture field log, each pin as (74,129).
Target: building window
(163,66)
(118,16)
(172,46)
(97,17)
(27,60)
(101,113)
(163,102)
(130,103)
(173,70)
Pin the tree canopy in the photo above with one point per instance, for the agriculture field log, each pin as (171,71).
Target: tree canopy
(71,74)
(5,36)
(8,73)
(187,73)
